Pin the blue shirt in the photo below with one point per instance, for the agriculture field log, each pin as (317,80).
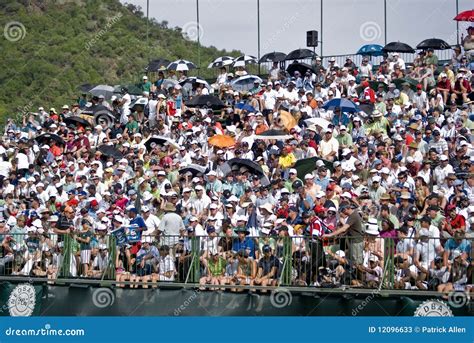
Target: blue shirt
(140,223)
(246,244)
(322,182)
(464,246)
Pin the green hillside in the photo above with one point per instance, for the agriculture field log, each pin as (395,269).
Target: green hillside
(50,47)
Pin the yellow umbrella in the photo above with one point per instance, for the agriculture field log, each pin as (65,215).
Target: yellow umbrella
(222,141)
(287,120)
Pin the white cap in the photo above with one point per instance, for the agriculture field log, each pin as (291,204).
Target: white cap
(346,151)
(145,77)
(376,178)
(308,176)
(443,158)
(410,159)
(340,253)
(292,171)
(212,173)
(385,170)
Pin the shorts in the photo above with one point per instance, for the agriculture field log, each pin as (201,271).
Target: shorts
(85,256)
(356,250)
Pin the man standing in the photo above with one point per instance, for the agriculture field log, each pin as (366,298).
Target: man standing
(352,229)
(171,224)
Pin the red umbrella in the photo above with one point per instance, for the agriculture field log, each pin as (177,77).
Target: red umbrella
(465,16)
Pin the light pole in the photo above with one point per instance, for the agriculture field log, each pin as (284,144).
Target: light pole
(198,36)
(457,23)
(385,21)
(321,29)
(147,28)
(258,34)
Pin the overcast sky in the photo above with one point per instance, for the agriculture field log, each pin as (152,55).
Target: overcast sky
(347,24)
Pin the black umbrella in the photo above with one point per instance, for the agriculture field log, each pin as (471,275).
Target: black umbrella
(253,167)
(273,57)
(152,142)
(398,47)
(110,151)
(301,67)
(433,43)
(133,89)
(274,134)
(300,54)
(45,138)
(367,108)
(206,101)
(76,121)
(194,169)
(157,65)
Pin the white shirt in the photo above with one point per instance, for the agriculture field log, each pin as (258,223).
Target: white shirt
(22,161)
(152,223)
(269,99)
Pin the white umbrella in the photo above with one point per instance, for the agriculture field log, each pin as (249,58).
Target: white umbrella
(190,80)
(221,62)
(317,121)
(181,65)
(244,60)
(244,83)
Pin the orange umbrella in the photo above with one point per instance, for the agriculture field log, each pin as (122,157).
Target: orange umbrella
(222,141)
(287,120)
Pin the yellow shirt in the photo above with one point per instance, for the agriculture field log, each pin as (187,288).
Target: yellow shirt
(287,161)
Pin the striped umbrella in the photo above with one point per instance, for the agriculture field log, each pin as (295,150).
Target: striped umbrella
(221,62)
(181,65)
(244,60)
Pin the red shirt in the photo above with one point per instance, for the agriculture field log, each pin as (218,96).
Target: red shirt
(458,222)
(445,85)
(369,95)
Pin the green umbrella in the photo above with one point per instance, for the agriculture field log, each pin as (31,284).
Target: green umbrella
(374,85)
(308,165)
(399,82)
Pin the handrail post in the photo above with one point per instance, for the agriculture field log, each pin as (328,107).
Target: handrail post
(109,272)
(287,261)
(65,267)
(388,279)
(193,273)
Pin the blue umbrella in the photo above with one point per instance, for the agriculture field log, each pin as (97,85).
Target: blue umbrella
(245,107)
(371,50)
(344,104)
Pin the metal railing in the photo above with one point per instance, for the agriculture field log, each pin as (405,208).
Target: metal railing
(240,262)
